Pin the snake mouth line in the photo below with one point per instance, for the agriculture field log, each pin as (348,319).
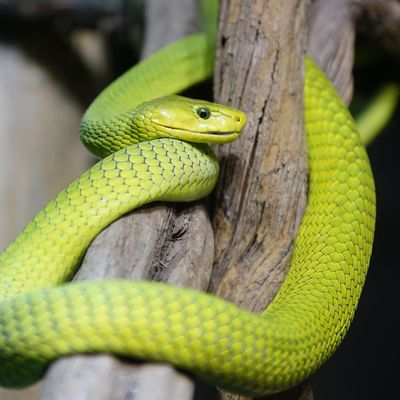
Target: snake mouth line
(212,137)
(190,132)
(200,137)
(221,133)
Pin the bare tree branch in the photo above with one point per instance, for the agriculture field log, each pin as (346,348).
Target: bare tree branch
(331,36)
(262,191)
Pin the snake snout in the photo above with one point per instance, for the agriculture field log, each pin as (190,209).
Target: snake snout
(240,120)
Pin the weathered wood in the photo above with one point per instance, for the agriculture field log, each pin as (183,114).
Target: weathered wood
(263,181)
(98,380)
(331,35)
(262,195)
(170,244)
(266,168)
(173,245)
(239,222)
(177,18)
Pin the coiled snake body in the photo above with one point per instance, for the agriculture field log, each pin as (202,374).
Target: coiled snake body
(236,349)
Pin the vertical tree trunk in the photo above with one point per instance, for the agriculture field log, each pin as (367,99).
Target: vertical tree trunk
(261,196)
(263,181)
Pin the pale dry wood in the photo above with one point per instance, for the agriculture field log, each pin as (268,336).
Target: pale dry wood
(331,36)
(180,18)
(110,379)
(169,244)
(263,181)
(173,245)
(332,26)
(261,197)
(262,189)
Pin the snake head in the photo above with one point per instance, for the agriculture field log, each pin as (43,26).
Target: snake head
(191,120)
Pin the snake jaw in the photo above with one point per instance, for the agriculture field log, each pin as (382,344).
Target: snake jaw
(196,136)
(192,120)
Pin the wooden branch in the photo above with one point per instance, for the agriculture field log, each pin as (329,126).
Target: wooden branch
(263,181)
(181,17)
(260,205)
(170,244)
(173,245)
(331,36)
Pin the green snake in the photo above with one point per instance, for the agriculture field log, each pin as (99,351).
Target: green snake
(153,146)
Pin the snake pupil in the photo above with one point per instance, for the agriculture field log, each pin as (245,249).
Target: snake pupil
(203,113)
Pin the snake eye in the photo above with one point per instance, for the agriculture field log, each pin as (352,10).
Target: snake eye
(203,112)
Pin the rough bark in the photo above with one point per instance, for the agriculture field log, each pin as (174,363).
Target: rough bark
(332,29)
(331,36)
(261,196)
(177,18)
(263,180)
(169,244)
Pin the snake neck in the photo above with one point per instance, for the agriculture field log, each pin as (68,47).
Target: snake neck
(107,124)
(104,136)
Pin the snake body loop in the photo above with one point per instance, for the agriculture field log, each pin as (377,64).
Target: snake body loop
(236,349)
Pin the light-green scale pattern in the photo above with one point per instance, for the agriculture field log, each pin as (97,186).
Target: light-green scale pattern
(231,347)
